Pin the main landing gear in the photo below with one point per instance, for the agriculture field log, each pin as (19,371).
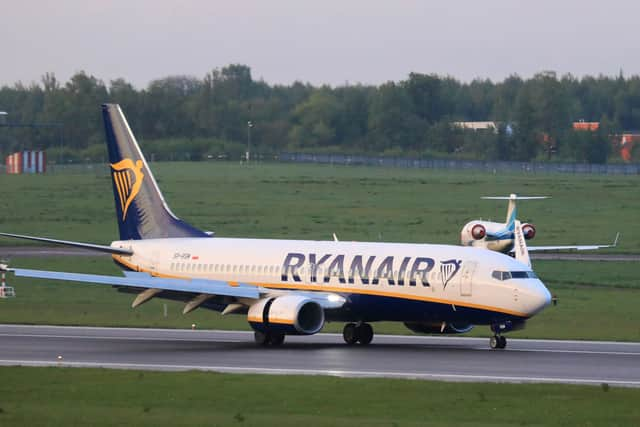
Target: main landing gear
(357,333)
(498,341)
(269,338)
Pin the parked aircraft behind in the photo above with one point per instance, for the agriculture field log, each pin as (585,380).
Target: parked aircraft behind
(499,236)
(295,286)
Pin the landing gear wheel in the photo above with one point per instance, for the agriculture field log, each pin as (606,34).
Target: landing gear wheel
(350,333)
(498,341)
(276,339)
(493,342)
(268,338)
(365,334)
(261,338)
(502,341)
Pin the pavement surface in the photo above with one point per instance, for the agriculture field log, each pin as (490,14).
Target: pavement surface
(433,358)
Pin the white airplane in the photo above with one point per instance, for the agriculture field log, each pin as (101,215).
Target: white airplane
(295,286)
(499,236)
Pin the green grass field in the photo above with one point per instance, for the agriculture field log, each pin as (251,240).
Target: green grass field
(314,201)
(63,396)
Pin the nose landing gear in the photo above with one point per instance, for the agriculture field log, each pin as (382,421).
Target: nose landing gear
(357,333)
(498,341)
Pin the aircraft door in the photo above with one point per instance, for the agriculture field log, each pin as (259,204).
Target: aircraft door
(155,259)
(466,278)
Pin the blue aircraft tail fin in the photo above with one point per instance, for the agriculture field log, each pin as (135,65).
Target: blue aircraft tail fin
(141,210)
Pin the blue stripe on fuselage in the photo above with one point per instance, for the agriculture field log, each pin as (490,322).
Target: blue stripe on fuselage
(370,308)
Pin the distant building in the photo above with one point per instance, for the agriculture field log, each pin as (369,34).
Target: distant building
(586,126)
(26,162)
(476,125)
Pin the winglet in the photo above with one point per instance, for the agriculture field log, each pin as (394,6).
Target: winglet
(615,241)
(520,245)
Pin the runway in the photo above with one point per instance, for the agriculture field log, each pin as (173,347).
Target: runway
(417,357)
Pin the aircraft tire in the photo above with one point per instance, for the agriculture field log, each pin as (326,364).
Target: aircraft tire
(494,342)
(502,341)
(498,342)
(261,338)
(276,339)
(350,333)
(365,334)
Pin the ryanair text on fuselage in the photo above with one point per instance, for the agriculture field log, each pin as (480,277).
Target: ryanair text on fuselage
(369,269)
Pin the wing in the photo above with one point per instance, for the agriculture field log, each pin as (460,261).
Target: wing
(574,248)
(203,287)
(145,280)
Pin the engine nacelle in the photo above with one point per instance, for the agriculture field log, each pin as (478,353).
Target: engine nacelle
(528,231)
(478,232)
(436,328)
(289,314)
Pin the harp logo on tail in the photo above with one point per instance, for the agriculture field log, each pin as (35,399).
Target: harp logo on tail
(127,178)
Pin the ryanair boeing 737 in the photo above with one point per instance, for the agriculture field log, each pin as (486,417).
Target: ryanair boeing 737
(295,286)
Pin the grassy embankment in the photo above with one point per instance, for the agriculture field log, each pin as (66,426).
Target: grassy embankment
(311,202)
(61,396)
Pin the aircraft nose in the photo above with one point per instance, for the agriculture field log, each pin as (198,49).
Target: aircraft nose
(540,298)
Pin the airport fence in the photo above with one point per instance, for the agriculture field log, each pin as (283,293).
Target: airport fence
(101,169)
(476,165)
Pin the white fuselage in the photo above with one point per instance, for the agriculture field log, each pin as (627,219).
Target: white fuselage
(450,276)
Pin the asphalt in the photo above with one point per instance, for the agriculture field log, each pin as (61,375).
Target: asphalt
(418,357)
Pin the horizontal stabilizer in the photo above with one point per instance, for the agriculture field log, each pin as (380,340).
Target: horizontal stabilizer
(88,246)
(515,197)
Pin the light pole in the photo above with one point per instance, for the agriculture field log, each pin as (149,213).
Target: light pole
(249,126)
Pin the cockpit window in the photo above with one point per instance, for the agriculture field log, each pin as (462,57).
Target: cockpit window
(506,275)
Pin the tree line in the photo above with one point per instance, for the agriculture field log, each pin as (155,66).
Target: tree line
(184,117)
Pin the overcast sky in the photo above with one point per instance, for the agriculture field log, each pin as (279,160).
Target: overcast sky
(321,42)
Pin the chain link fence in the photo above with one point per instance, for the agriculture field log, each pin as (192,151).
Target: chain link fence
(476,165)
(101,169)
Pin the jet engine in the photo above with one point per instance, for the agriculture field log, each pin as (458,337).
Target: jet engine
(478,231)
(528,231)
(288,314)
(437,328)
